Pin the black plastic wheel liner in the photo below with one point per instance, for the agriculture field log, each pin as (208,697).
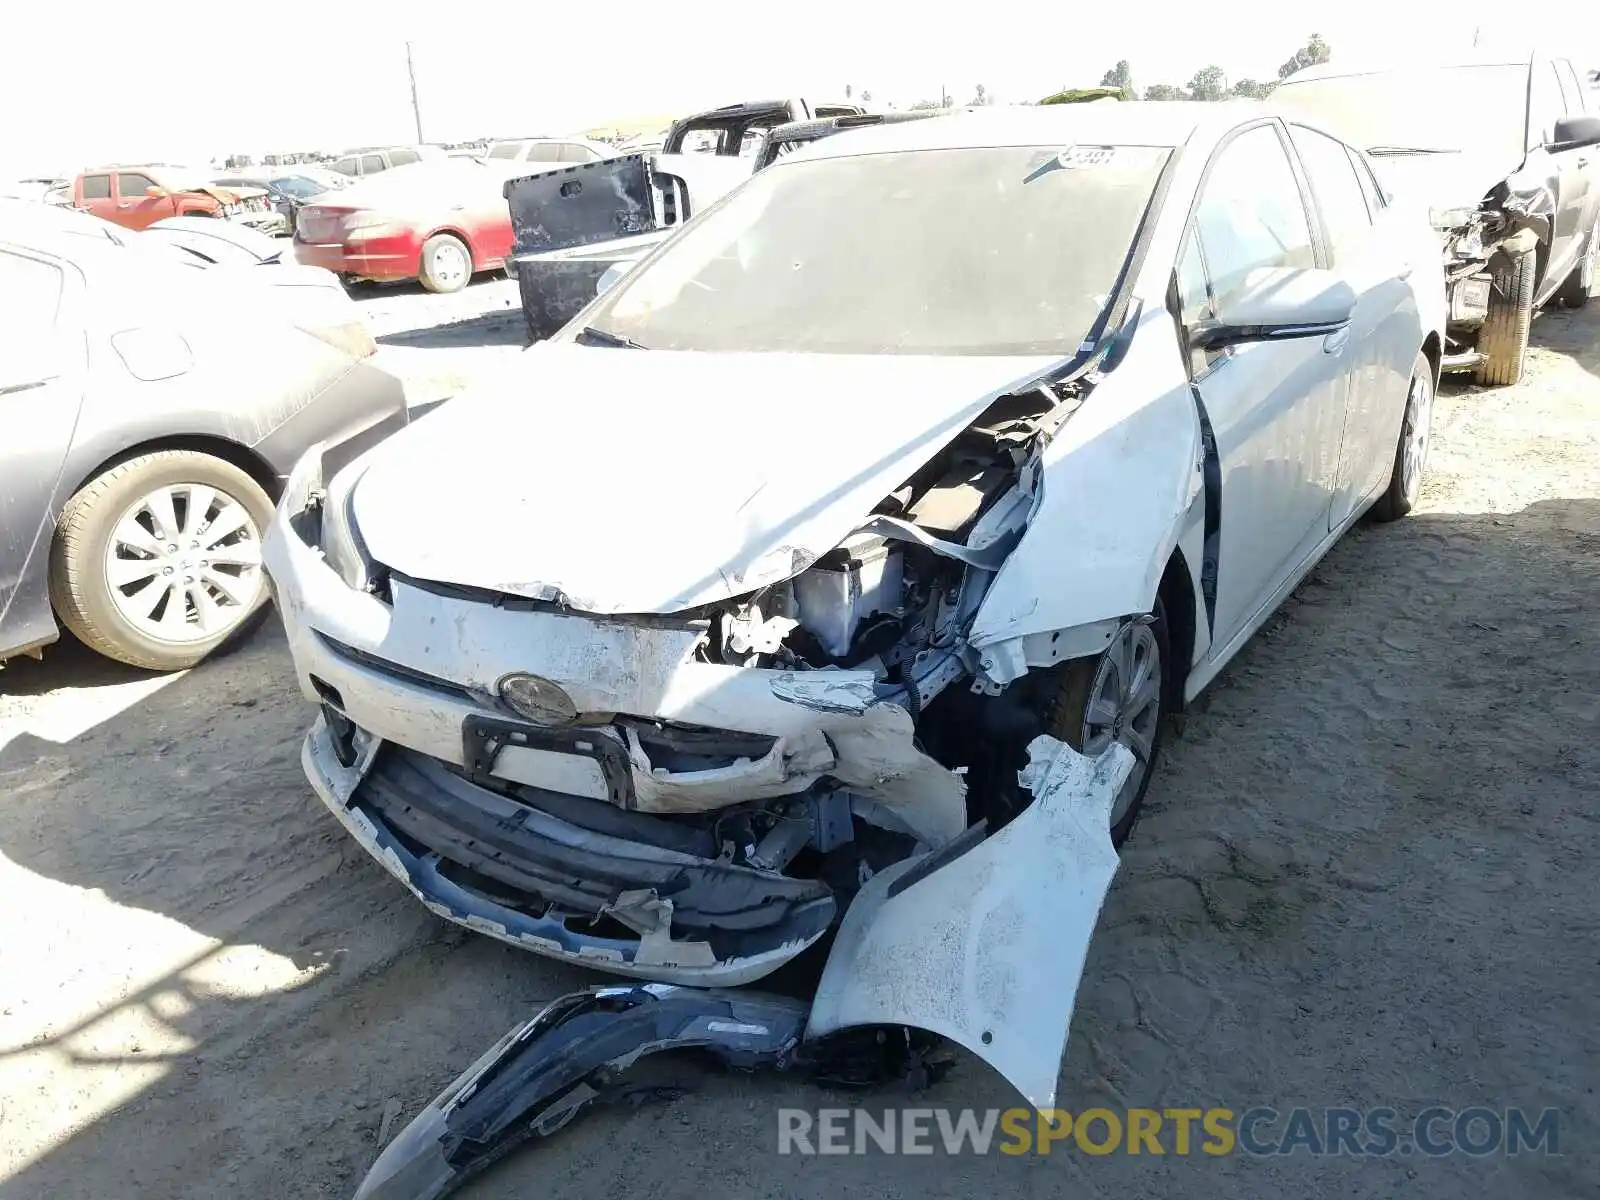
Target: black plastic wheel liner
(571,1055)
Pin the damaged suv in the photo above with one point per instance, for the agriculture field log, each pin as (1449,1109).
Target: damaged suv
(1506,151)
(733,612)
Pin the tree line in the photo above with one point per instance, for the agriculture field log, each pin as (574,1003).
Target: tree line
(1211,83)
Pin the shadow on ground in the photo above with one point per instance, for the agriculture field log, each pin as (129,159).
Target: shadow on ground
(492,329)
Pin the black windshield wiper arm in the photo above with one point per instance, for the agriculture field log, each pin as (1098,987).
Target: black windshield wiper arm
(1390,151)
(590,334)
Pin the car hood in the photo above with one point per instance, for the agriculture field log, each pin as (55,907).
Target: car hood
(1459,179)
(635,481)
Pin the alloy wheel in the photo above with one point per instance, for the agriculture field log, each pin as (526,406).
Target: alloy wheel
(184,563)
(1125,705)
(1416,437)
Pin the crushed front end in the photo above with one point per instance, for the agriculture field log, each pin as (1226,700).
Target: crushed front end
(692,797)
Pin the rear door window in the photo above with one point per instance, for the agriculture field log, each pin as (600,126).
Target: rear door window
(573,153)
(399,158)
(30,297)
(371,164)
(505,150)
(97,187)
(1336,189)
(347,166)
(544,152)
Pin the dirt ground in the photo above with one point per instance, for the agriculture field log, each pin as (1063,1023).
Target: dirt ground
(1364,879)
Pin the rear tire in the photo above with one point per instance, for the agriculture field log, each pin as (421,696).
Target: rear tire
(1575,291)
(1076,720)
(104,529)
(1411,453)
(1503,341)
(446,264)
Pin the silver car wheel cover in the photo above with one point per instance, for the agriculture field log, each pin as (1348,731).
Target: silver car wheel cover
(1416,436)
(1125,705)
(449,263)
(184,563)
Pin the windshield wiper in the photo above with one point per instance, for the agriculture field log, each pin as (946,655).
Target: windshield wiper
(1391,151)
(605,338)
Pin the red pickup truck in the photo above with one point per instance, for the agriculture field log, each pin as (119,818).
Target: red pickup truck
(137,197)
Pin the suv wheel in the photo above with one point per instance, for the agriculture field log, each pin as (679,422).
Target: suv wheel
(1503,341)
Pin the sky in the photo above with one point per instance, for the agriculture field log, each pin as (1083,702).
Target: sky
(103,80)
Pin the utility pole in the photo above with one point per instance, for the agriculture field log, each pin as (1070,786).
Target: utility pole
(416,109)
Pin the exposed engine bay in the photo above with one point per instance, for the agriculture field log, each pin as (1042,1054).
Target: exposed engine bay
(906,582)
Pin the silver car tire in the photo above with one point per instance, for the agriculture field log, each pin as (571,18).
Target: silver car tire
(156,562)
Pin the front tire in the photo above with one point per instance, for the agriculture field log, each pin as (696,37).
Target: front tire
(1411,453)
(1503,341)
(157,561)
(1119,696)
(446,264)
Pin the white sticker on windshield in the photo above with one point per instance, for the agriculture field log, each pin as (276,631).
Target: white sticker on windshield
(1086,156)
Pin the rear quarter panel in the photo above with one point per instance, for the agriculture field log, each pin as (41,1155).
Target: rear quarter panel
(235,372)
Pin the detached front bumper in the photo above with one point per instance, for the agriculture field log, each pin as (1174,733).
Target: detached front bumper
(506,868)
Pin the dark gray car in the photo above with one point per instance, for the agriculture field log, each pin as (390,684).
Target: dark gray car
(148,415)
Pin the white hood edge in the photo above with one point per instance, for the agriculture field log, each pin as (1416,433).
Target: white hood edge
(632,481)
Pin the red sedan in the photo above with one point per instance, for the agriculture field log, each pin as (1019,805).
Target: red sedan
(437,222)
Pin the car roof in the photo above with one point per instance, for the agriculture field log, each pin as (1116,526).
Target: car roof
(1413,65)
(1105,122)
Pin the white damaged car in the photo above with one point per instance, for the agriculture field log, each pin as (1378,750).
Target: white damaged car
(729,617)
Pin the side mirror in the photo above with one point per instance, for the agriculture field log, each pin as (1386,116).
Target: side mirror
(1572,132)
(1276,303)
(155,193)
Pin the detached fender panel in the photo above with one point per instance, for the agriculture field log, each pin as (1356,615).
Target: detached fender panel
(546,1071)
(1116,486)
(988,949)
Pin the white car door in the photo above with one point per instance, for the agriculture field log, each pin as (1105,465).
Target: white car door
(1275,408)
(1385,331)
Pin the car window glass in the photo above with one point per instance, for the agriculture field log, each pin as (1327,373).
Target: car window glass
(97,187)
(1335,188)
(1571,94)
(1194,296)
(30,294)
(1251,214)
(572,152)
(1368,182)
(544,152)
(134,187)
(346,166)
(399,158)
(505,150)
(1545,106)
(371,163)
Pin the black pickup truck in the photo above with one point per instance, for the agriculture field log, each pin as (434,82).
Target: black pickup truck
(575,225)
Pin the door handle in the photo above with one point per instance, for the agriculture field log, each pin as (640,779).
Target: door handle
(8,389)
(1336,341)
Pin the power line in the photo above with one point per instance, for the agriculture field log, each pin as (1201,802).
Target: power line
(416,109)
